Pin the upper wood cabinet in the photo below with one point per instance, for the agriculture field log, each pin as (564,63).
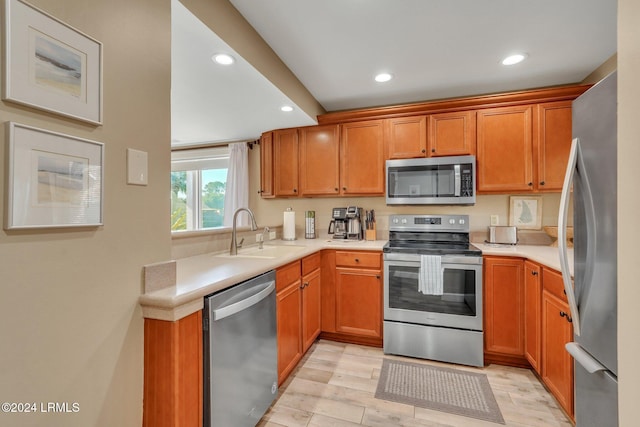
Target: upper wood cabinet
(552,137)
(444,134)
(452,134)
(285,162)
(319,161)
(406,137)
(505,149)
(362,158)
(266,165)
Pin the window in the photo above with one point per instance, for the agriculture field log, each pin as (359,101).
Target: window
(198,184)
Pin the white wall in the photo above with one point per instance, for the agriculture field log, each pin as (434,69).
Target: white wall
(70,325)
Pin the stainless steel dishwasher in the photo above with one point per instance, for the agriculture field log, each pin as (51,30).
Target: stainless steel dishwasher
(240,353)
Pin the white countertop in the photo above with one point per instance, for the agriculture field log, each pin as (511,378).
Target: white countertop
(205,274)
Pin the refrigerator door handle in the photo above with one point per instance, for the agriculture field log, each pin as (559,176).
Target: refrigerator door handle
(587,361)
(562,234)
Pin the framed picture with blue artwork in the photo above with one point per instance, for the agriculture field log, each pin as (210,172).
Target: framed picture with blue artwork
(50,65)
(525,212)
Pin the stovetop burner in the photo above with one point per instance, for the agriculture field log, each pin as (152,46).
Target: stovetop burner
(430,234)
(425,248)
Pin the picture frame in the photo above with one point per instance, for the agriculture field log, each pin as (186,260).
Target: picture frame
(50,65)
(525,212)
(53,180)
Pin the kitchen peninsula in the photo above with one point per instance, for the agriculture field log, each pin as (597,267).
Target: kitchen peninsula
(173,314)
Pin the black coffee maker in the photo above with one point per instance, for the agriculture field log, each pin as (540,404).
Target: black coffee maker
(346,223)
(338,223)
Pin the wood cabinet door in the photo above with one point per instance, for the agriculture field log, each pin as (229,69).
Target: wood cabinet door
(452,134)
(406,137)
(505,149)
(266,165)
(553,143)
(319,160)
(289,316)
(359,302)
(285,162)
(504,306)
(557,365)
(362,158)
(532,313)
(311,300)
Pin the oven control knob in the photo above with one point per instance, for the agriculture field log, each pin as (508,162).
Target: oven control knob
(461,221)
(452,221)
(404,220)
(396,220)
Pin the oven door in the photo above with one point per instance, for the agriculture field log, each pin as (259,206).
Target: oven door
(459,306)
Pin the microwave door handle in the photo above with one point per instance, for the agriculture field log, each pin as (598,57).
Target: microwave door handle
(457,180)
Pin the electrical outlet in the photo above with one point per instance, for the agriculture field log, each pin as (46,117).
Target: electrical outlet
(272,235)
(495,219)
(259,237)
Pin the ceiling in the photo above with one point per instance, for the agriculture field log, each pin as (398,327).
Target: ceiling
(434,49)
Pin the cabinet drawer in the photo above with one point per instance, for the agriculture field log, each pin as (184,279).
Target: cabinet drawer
(552,282)
(310,263)
(358,259)
(287,274)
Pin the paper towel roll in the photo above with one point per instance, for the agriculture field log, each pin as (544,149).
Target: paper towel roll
(289,225)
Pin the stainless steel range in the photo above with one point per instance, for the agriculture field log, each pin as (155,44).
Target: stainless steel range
(433,289)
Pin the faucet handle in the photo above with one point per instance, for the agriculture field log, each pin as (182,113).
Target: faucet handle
(239,245)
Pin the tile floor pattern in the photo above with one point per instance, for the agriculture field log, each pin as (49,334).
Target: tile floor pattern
(335,383)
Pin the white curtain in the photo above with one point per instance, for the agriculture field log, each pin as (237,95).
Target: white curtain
(237,190)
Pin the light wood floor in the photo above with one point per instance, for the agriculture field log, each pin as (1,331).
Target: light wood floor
(335,383)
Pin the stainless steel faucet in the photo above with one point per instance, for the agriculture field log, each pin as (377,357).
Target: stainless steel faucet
(234,245)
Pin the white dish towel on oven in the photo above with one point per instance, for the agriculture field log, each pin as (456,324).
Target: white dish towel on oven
(430,278)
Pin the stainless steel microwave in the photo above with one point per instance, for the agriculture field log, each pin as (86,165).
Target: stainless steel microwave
(432,181)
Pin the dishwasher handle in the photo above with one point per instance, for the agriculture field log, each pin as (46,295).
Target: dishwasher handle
(234,308)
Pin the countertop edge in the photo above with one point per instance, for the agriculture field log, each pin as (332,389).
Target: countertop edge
(202,275)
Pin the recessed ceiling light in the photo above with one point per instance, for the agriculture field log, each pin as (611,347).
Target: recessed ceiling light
(383,77)
(223,59)
(514,59)
(286,108)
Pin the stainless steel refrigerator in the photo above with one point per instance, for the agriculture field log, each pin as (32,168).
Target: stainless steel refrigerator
(592,298)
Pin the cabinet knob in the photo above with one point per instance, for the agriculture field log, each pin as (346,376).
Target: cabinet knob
(259,191)
(433,150)
(541,182)
(530,184)
(534,273)
(336,189)
(424,151)
(344,188)
(377,276)
(357,260)
(295,190)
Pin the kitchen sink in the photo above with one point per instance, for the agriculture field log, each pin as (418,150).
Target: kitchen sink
(267,252)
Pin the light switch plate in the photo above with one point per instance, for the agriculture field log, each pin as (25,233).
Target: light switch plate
(495,219)
(137,167)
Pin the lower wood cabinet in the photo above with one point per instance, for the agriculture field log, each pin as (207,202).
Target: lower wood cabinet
(528,323)
(289,318)
(173,372)
(352,296)
(298,311)
(557,330)
(504,310)
(532,314)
